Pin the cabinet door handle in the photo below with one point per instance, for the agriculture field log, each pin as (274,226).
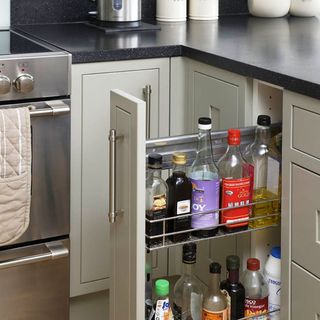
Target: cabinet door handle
(147,97)
(112,176)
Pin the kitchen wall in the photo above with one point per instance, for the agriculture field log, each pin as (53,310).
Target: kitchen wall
(50,11)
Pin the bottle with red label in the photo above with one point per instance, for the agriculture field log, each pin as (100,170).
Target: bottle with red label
(235,185)
(256,291)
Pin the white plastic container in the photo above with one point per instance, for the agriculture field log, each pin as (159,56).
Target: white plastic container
(203,9)
(272,272)
(171,10)
(269,8)
(4,14)
(305,8)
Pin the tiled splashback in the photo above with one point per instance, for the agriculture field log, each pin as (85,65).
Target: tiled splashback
(50,11)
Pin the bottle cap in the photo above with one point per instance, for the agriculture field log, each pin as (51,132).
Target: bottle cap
(155,161)
(253,264)
(276,252)
(215,267)
(233,137)
(189,253)
(204,123)
(233,262)
(162,287)
(264,120)
(179,158)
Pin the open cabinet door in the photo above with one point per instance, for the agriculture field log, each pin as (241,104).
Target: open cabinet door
(126,208)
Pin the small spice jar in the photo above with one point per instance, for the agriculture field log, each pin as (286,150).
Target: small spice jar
(171,10)
(203,9)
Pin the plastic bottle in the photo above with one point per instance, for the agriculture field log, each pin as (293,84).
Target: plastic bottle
(256,290)
(272,273)
(162,308)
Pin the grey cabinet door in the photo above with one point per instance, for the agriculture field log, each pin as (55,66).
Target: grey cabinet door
(305,304)
(306,219)
(127,234)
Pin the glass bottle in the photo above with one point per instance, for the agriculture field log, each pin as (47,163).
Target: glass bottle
(234,287)
(205,184)
(256,291)
(188,294)
(215,304)
(156,199)
(264,160)
(235,184)
(179,203)
(162,307)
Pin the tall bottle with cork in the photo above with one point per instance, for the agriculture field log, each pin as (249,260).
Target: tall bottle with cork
(205,184)
(235,185)
(215,304)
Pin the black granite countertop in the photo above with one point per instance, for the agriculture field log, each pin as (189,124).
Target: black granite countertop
(284,51)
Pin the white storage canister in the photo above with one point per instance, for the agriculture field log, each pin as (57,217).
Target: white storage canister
(269,8)
(272,272)
(203,9)
(305,8)
(171,10)
(4,14)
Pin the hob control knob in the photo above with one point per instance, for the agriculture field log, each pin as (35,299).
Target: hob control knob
(24,83)
(5,84)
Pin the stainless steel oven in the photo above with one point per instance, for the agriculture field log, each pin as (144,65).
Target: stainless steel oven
(34,269)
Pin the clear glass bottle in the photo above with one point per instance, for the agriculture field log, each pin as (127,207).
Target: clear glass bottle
(215,304)
(179,203)
(235,184)
(188,295)
(264,160)
(205,184)
(156,199)
(234,287)
(256,290)
(162,307)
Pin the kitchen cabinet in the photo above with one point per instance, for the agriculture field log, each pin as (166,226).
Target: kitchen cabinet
(300,201)
(91,85)
(128,230)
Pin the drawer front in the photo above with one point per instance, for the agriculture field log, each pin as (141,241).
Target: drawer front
(305,219)
(306,129)
(305,295)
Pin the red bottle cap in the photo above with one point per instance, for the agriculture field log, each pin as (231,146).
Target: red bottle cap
(253,264)
(233,137)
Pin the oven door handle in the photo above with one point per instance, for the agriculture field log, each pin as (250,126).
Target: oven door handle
(55,108)
(57,250)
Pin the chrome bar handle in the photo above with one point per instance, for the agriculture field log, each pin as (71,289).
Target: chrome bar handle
(56,251)
(54,108)
(112,176)
(147,96)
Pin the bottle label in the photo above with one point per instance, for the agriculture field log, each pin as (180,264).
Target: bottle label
(183,207)
(163,310)
(205,197)
(235,193)
(274,293)
(212,315)
(255,307)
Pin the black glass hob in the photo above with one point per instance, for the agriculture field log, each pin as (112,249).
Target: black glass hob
(12,43)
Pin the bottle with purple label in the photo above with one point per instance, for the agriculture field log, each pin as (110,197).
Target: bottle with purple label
(205,184)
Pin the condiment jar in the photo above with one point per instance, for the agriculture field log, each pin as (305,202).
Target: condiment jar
(269,8)
(203,9)
(171,10)
(305,8)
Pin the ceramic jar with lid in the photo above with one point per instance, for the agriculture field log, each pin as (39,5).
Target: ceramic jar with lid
(305,8)
(171,10)
(269,8)
(5,15)
(203,9)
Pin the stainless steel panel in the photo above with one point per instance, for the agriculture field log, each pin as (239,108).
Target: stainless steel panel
(119,10)
(50,200)
(36,291)
(50,71)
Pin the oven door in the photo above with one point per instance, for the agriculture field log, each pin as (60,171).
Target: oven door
(35,282)
(50,189)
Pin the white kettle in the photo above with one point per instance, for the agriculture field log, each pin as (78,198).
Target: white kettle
(305,8)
